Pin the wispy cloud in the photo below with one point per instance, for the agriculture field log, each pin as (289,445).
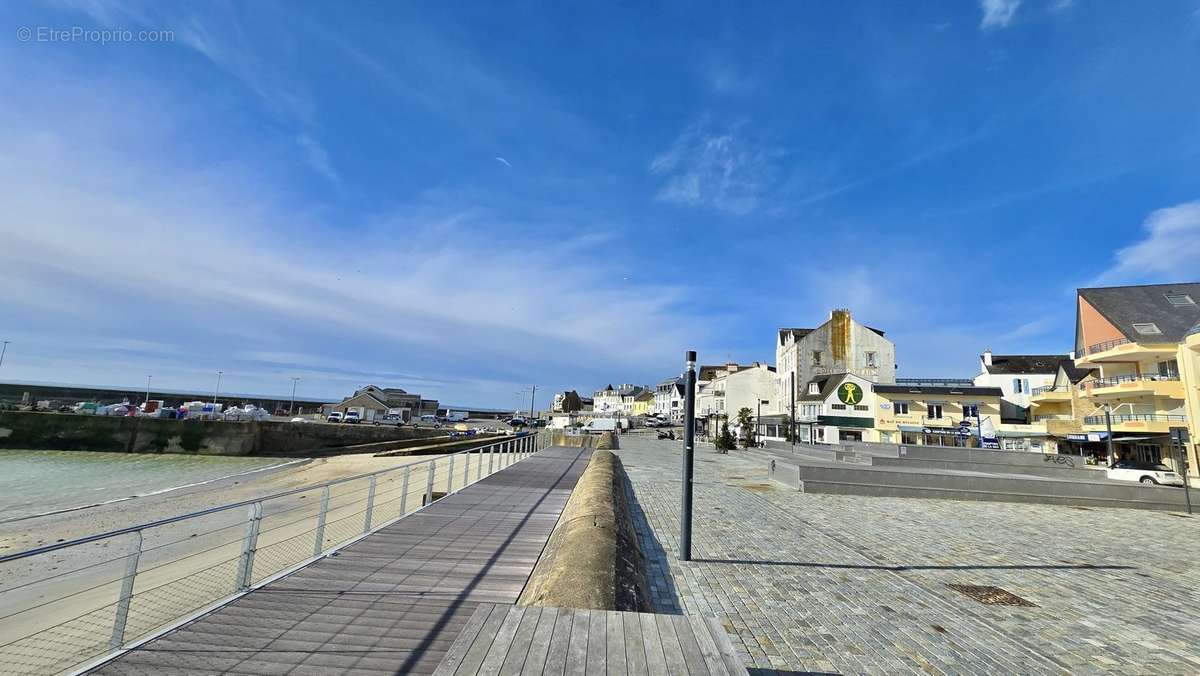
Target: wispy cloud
(318,158)
(998,13)
(503,161)
(1169,252)
(725,170)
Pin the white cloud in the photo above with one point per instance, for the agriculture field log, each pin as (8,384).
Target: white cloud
(106,236)
(726,171)
(1060,5)
(318,158)
(998,13)
(1170,252)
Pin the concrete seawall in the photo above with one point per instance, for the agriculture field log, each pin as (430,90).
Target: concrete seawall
(592,559)
(53,431)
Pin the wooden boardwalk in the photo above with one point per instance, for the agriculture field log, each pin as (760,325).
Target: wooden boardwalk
(391,603)
(511,641)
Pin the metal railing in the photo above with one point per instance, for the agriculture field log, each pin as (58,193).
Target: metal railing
(1106,345)
(70,605)
(1049,388)
(1130,378)
(1135,417)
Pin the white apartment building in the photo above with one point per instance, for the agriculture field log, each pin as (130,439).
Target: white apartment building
(1017,375)
(669,398)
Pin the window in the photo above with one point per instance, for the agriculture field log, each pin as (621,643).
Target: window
(816,358)
(1179,299)
(1147,329)
(871,360)
(934,411)
(840,407)
(1168,369)
(901,407)
(860,407)
(970,410)
(1017,386)
(813,388)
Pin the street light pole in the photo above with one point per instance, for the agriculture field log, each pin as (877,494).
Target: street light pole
(531,395)
(1108,436)
(3,349)
(689,444)
(218,389)
(147,401)
(792,417)
(293,402)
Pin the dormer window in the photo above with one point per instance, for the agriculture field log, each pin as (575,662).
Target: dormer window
(814,388)
(1147,329)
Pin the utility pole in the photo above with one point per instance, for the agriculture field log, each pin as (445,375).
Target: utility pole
(3,349)
(531,395)
(218,389)
(689,444)
(147,400)
(293,402)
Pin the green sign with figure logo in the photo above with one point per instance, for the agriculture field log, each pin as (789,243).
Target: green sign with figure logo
(849,393)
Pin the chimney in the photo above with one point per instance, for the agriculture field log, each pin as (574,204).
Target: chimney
(986,356)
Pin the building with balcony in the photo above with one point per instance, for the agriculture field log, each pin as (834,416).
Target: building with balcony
(1134,338)
(835,408)
(731,388)
(1017,375)
(1060,407)
(1189,373)
(839,346)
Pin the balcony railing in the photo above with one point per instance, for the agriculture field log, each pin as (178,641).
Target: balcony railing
(1135,417)
(1106,345)
(1050,388)
(1112,381)
(1052,417)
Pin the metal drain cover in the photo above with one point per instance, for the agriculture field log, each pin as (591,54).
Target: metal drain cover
(992,596)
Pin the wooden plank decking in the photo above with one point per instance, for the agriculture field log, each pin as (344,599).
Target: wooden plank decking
(511,640)
(391,603)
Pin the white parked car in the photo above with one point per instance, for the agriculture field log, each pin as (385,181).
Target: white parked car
(300,420)
(335,417)
(1147,473)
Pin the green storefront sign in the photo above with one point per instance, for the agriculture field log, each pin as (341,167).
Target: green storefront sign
(850,393)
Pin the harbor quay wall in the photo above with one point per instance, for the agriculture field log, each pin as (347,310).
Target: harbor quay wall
(120,434)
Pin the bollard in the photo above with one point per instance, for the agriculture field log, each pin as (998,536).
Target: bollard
(249,544)
(319,543)
(131,566)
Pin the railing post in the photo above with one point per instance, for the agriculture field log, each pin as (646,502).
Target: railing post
(404,491)
(491,457)
(429,482)
(450,477)
(370,506)
(319,543)
(131,566)
(249,544)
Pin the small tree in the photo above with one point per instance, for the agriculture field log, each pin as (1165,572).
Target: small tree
(725,441)
(745,423)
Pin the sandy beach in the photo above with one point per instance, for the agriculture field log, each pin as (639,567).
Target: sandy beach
(24,534)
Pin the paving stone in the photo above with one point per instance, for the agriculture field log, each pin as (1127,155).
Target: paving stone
(852,584)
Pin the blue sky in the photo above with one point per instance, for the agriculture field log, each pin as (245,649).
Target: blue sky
(463,199)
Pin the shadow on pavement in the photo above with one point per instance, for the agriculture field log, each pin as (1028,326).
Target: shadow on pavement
(812,564)
(663,593)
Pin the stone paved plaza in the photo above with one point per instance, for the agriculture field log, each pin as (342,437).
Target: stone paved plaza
(843,584)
